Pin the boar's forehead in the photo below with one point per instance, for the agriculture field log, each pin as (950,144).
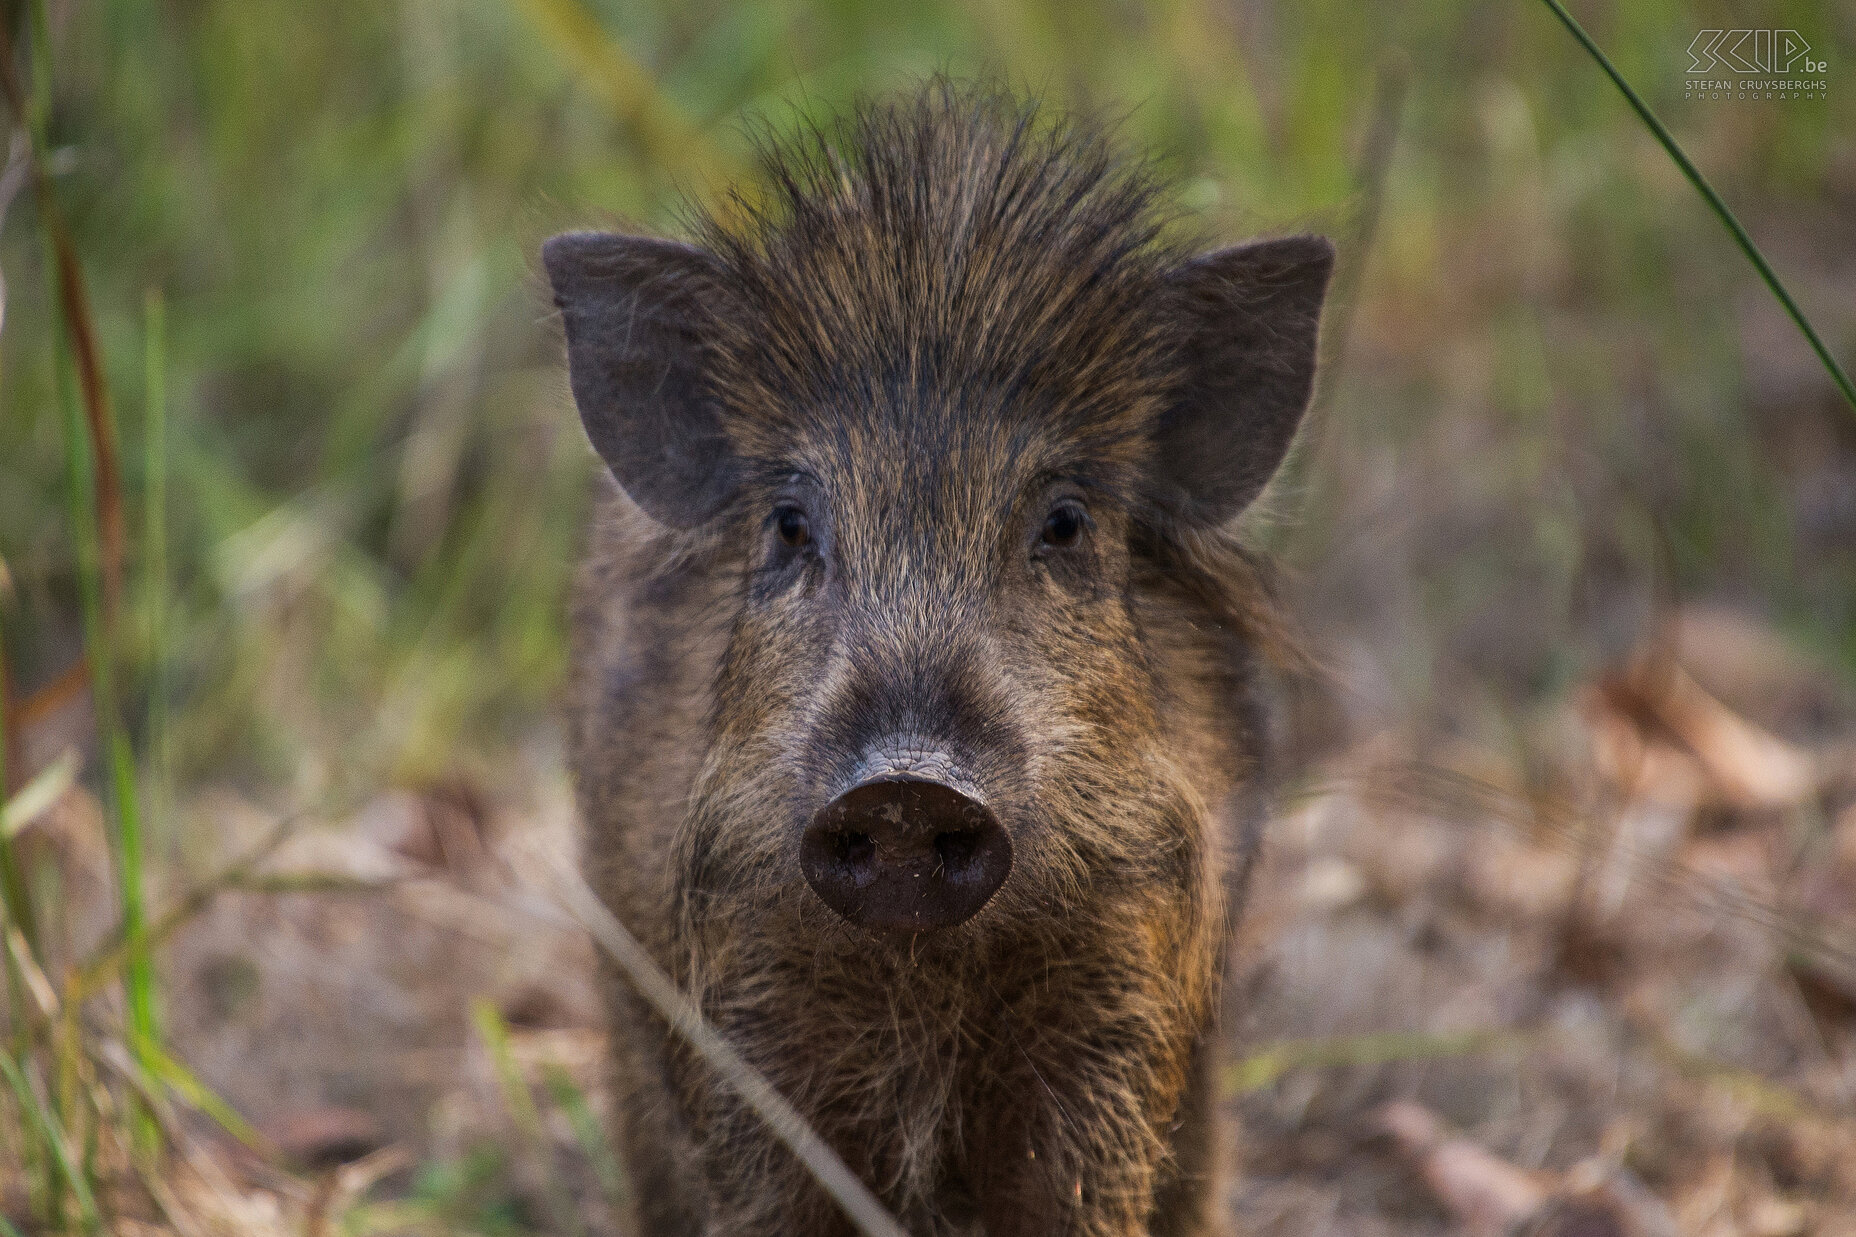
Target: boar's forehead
(887,374)
(939,488)
(944,272)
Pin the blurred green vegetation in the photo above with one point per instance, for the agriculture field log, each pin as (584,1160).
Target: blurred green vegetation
(377,480)
(309,237)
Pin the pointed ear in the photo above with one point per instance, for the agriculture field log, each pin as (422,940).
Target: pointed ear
(1249,317)
(637,311)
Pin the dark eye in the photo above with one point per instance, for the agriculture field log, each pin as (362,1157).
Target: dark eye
(795,530)
(1063,528)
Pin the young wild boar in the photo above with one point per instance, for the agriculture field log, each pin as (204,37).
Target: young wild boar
(914,702)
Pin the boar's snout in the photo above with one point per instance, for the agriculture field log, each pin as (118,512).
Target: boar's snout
(903,854)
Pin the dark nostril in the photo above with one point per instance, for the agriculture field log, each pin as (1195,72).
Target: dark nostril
(854,849)
(904,854)
(957,852)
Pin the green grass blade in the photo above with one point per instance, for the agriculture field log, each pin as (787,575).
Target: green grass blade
(516,1098)
(155,547)
(119,769)
(89,440)
(521,1107)
(182,1081)
(1270,1062)
(592,1139)
(94,496)
(1726,216)
(46,1127)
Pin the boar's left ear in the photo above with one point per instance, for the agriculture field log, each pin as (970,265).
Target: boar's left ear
(1248,319)
(637,310)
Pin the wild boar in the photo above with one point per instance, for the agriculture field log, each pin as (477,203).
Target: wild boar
(916,701)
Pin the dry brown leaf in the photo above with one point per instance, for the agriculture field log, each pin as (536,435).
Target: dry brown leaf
(1491,1197)
(1640,764)
(1751,767)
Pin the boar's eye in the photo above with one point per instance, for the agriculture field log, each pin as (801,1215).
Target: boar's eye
(794,529)
(1063,527)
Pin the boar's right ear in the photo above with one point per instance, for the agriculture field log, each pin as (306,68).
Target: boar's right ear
(1247,318)
(636,311)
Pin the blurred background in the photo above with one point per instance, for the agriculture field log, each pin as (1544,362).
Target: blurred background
(1572,534)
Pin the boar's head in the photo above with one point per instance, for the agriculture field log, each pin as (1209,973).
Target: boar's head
(965,424)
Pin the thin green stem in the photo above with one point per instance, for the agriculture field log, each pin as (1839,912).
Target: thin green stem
(521,1108)
(592,1138)
(53,1138)
(98,628)
(1714,201)
(119,762)
(89,437)
(155,550)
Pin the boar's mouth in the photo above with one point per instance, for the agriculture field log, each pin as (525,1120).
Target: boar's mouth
(907,848)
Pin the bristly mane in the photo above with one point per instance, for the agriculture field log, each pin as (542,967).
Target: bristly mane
(956,249)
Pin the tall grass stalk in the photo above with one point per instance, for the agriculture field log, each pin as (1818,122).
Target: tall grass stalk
(1719,207)
(56,1115)
(95,503)
(155,547)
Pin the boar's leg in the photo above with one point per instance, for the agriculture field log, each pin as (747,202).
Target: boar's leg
(654,1144)
(1189,1202)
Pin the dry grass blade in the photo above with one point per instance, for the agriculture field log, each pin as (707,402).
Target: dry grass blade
(676,1009)
(38,796)
(99,415)
(80,330)
(32,979)
(48,699)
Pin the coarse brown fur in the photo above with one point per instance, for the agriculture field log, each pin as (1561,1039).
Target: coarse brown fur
(946,314)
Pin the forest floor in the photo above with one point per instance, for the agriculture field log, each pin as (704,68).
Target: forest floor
(1602,982)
